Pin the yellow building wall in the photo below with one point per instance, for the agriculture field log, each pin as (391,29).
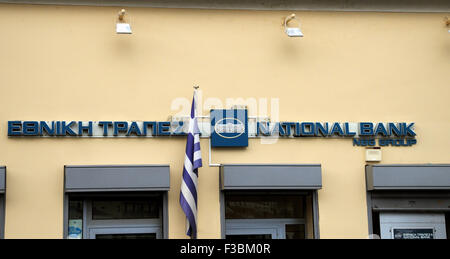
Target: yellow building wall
(67,63)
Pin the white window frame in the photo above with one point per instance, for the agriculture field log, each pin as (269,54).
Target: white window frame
(158,226)
(275,227)
(239,226)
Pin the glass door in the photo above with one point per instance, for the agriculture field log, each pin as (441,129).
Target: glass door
(115,216)
(265,229)
(269,215)
(251,233)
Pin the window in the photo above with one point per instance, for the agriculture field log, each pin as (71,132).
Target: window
(405,213)
(109,208)
(268,215)
(115,216)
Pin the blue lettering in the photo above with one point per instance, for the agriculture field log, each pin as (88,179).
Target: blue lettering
(264,129)
(297,129)
(14,128)
(412,142)
(380,129)
(146,124)
(134,129)
(30,128)
(105,125)
(58,128)
(82,128)
(307,129)
(45,128)
(363,142)
(281,130)
(347,130)
(394,130)
(336,129)
(287,127)
(366,129)
(320,129)
(120,126)
(67,130)
(408,131)
(163,128)
(397,142)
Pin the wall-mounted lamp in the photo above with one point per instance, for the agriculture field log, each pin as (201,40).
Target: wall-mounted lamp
(121,26)
(292,31)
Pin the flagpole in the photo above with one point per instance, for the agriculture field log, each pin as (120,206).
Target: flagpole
(196,87)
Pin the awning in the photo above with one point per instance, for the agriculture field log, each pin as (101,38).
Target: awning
(408,177)
(270,177)
(116,178)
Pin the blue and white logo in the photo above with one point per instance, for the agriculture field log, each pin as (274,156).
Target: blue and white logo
(229,128)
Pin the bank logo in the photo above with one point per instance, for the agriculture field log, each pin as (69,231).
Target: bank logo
(229,128)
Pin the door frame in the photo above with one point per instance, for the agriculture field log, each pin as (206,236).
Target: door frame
(161,224)
(124,230)
(315,210)
(413,201)
(2,215)
(275,227)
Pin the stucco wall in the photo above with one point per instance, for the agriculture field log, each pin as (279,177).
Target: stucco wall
(67,63)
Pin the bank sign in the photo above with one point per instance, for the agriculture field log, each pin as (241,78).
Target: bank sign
(229,128)
(225,128)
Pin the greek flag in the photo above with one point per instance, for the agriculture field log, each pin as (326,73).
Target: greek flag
(192,161)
